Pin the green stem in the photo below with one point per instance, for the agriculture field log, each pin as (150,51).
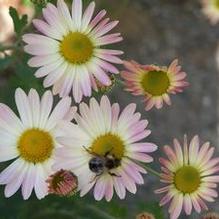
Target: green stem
(103,214)
(149,169)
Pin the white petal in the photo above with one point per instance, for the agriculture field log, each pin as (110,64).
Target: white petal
(66,82)
(69,116)
(119,187)
(15,184)
(29,181)
(8,153)
(64,12)
(55,75)
(9,121)
(44,49)
(54,19)
(87,16)
(59,112)
(23,106)
(38,61)
(34,100)
(38,39)
(45,108)
(85,82)
(7,175)
(77,13)
(106,111)
(77,92)
(40,185)
(99,189)
(44,28)
(45,70)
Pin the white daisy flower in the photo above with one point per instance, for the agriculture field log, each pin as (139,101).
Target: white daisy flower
(30,140)
(103,149)
(69,52)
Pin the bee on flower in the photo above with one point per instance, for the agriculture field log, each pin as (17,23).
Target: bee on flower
(104,149)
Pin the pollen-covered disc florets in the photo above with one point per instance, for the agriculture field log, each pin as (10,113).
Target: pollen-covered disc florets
(62,183)
(153,82)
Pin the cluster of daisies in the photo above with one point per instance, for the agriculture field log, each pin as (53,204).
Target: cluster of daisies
(64,149)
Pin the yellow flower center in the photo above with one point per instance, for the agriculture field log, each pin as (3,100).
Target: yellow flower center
(35,145)
(155,83)
(76,48)
(216,3)
(108,143)
(187,179)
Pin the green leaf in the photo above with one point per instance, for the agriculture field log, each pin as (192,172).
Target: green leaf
(26,2)
(19,23)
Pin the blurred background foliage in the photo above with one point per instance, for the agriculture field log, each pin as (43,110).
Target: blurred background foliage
(156,31)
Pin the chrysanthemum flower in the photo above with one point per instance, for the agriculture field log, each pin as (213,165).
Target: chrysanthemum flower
(210,215)
(211,10)
(62,183)
(104,149)
(153,82)
(69,52)
(189,173)
(30,140)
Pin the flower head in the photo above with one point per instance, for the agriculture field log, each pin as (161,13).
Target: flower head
(69,52)
(189,173)
(104,149)
(145,215)
(31,140)
(211,10)
(153,82)
(62,183)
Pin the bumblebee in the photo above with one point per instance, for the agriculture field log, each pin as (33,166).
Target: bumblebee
(100,164)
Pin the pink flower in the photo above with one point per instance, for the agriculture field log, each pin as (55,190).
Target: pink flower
(69,53)
(62,183)
(189,175)
(153,82)
(104,150)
